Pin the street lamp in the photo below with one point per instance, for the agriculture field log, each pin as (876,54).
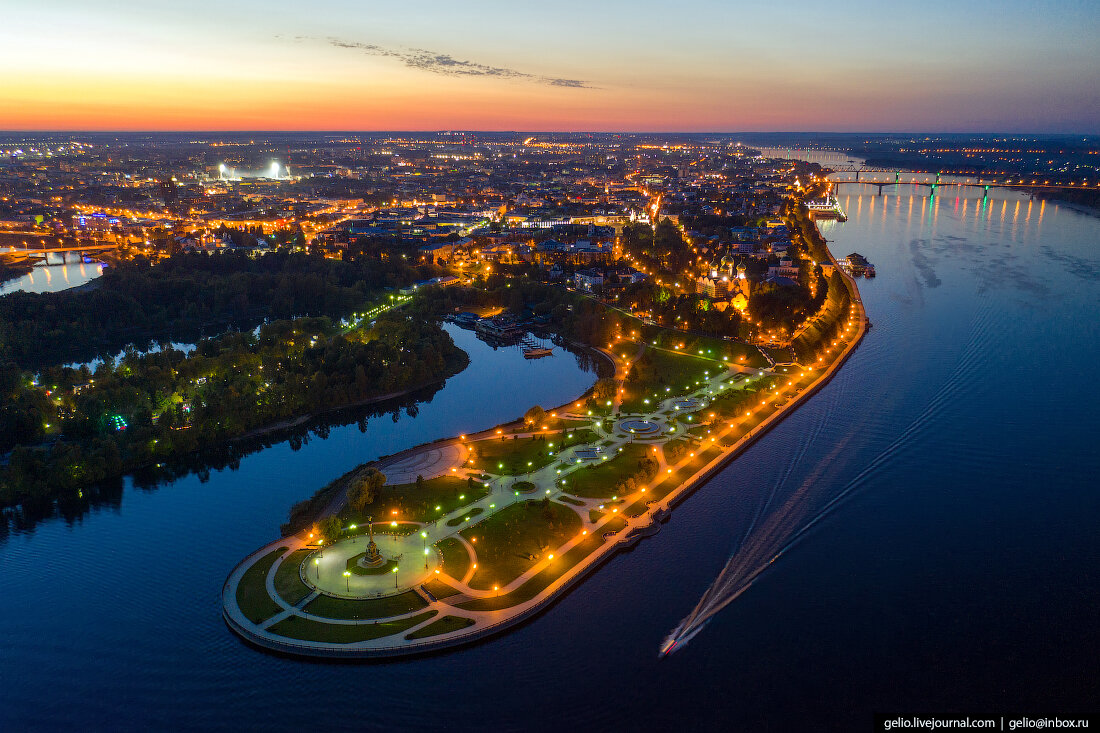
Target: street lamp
(317,566)
(347,580)
(395,577)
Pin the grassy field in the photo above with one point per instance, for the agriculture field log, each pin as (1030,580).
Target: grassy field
(296,627)
(347,608)
(513,456)
(355,568)
(734,352)
(252,597)
(443,625)
(658,369)
(436,497)
(512,540)
(456,559)
(599,481)
(439,589)
(541,581)
(288,581)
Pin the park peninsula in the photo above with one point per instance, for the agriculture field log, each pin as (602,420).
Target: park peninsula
(455,541)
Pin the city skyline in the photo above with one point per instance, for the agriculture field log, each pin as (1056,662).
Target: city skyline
(616,67)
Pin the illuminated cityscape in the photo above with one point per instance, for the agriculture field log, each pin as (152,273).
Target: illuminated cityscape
(484,368)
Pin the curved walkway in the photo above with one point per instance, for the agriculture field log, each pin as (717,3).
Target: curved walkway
(549,480)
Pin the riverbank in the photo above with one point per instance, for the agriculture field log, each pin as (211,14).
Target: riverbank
(462,609)
(14,270)
(309,417)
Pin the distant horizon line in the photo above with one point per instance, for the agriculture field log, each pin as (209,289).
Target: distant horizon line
(137,131)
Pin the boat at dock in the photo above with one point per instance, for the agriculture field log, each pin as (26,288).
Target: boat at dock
(499,329)
(536,352)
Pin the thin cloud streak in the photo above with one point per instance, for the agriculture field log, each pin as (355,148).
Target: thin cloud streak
(447,65)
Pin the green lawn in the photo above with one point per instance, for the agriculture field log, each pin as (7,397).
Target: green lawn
(347,608)
(658,369)
(456,558)
(712,348)
(439,589)
(296,627)
(511,456)
(443,625)
(540,582)
(355,568)
(436,497)
(252,597)
(288,580)
(575,437)
(513,539)
(600,481)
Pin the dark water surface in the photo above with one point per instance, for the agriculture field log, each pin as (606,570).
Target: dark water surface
(959,572)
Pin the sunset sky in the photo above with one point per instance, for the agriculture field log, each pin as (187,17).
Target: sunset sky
(694,65)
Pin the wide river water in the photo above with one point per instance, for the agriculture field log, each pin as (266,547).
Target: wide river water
(959,572)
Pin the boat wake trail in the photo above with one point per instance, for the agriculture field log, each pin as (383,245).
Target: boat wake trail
(777,527)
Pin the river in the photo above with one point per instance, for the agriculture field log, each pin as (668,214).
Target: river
(56,274)
(959,573)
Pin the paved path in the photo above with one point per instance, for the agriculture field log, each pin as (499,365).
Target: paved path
(549,482)
(430,463)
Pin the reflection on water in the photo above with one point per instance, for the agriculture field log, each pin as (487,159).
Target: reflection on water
(53,276)
(934,416)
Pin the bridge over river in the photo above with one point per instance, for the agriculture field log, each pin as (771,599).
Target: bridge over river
(881,178)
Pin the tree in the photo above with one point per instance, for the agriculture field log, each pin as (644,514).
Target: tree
(365,489)
(330,528)
(534,416)
(604,389)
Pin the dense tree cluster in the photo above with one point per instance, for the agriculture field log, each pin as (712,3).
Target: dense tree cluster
(183,297)
(687,312)
(149,407)
(659,249)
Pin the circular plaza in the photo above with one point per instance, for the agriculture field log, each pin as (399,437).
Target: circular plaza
(344,569)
